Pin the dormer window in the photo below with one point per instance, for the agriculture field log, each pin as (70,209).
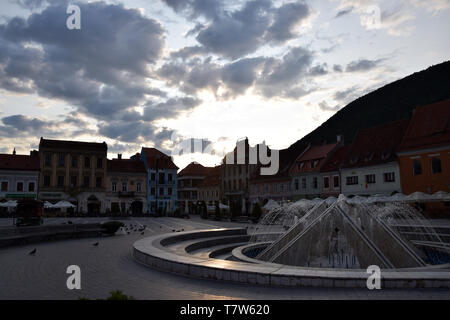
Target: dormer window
(300,165)
(314,163)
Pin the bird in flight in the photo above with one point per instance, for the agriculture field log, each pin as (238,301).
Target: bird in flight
(95,244)
(33,252)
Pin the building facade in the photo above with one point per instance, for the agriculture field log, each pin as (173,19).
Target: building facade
(189,180)
(276,187)
(74,171)
(236,172)
(210,189)
(424,154)
(19,176)
(161,181)
(371,166)
(126,187)
(330,174)
(305,171)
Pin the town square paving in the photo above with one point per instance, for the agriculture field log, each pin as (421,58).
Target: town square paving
(110,266)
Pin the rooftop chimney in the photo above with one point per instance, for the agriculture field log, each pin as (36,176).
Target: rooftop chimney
(119,156)
(14,151)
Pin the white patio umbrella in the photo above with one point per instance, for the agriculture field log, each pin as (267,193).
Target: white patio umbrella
(10,204)
(63,204)
(418,197)
(48,205)
(441,196)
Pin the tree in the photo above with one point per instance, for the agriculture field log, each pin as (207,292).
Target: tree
(256,212)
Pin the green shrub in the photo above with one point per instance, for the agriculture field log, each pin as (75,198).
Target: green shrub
(111,227)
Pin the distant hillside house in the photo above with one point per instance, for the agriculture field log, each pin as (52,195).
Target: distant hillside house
(424,154)
(161,181)
(126,186)
(189,180)
(19,176)
(371,166)
(74,171)
(305,171)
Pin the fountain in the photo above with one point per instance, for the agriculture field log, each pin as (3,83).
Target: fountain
(349,234)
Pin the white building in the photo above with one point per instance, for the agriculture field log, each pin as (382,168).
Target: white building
(371,166)
(19,176)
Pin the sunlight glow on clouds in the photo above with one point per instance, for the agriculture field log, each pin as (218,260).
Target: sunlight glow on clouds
(140,72)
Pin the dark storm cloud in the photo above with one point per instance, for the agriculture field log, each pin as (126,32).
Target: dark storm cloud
(286,18)
(196,8)
(169,108)
(101,69)
(344,12)
(238,32)
(268,76)
(325,107)
(363,65)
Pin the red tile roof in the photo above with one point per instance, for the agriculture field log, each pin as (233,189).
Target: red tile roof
(19,162)
(316,153)
(376,145)
(336,160)
(126,165)
(156,158)
(213,178)
(194,169)
(429,127)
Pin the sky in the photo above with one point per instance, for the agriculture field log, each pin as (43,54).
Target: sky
(156,73)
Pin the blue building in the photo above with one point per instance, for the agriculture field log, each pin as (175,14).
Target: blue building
(161,181)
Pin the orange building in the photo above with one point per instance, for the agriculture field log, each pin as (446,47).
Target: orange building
(424,154)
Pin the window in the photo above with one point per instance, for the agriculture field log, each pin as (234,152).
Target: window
(417,167)
(48,159)
(300,165)
(31,187)
(389,177)
(19,186)
(47,181)
(326,182)
(315,183)
(152,191)
(114,187)
(370,178)
(336,181)
(352,180)
(161,191)
(314,164)
(74,162)
(169,191)
(98,182)
(4,186)
(161,178)
(152,176)
(73,181)
(87,162)
(296,184)
(86,182)
(138,187)
(124,187)
(60,181)
(61,160)
(436,165)
(169,177)
(99,163)
(303,183)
